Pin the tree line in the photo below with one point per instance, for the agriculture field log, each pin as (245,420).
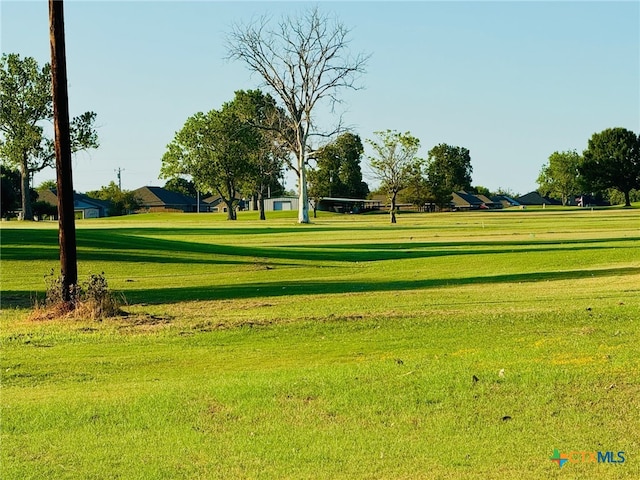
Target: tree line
(608,168)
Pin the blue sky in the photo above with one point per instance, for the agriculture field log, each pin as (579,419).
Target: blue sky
(511,81)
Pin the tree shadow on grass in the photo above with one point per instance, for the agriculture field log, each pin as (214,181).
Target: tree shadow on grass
(475,243)
(278,289)
(129,245)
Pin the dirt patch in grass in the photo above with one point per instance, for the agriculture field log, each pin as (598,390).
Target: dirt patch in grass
(144,322)
(88,310)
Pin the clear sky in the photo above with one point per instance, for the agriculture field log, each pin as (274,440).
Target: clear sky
(511,81)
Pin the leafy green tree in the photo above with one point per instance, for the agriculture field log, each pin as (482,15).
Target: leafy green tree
(47,185)
(507,192)
(480,190)
(417,191)
(615,197)
(338,172)
(44,209)
(214,149)
(393,163)
(10,190)
(122,202)
(181,185)
(266,161)
(304,61)
(612,160)
(560,177)
(349,150)
(27,104)
(448,170)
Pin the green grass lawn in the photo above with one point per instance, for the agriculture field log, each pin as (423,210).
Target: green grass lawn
(462,345)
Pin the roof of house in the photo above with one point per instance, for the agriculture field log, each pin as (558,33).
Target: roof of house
(212,200)
(380,197)
(161,197)
(463,198)
(484,199)
(80,200)
(48,196)
(534,198)
(506,199)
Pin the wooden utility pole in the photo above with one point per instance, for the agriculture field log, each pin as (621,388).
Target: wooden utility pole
(66,214)
(119,175)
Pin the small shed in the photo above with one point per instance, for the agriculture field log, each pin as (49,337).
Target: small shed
(281,203)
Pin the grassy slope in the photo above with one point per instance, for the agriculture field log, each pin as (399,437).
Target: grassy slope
(343,349)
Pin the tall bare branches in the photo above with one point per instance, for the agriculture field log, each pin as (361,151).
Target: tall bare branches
(304,60)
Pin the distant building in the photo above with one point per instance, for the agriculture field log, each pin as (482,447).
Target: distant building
(466,201)
(534,198)
(281,203)
(505,201)
(214,203)
(158,199)
(347,205)
(382,202)
(83,206)
(487,202)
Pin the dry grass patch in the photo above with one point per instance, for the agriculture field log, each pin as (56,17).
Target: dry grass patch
(78,310)
(89,300)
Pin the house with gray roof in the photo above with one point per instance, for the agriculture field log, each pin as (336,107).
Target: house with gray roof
(534,198)
(465,201)
(505,201)
(84,206)
(158,199)
(487,202)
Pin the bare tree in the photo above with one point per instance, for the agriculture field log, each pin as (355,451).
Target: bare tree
(304,60)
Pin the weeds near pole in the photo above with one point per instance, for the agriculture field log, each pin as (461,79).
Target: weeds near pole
(88,300)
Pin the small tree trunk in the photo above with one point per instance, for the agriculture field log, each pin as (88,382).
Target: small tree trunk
(261,205)
(303,207)
(229,198)
(231,212)
(27,212)
(392,210)
(627,199)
